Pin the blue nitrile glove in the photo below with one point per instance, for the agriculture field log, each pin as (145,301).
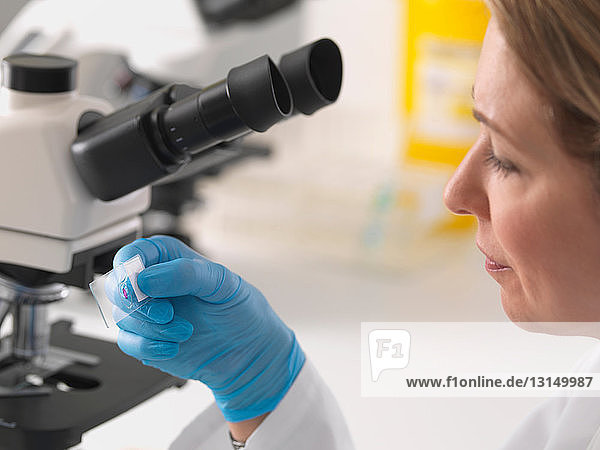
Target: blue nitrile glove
(206,323)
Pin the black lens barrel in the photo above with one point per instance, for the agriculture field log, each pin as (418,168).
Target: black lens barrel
(259,93)
(314,74)
(254,97)
(146,141)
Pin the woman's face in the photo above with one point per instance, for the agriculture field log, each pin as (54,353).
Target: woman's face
(537,207)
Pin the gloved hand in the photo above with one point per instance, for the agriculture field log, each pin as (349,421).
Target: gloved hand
(206,323)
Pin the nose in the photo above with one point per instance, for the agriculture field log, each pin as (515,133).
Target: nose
(465,193)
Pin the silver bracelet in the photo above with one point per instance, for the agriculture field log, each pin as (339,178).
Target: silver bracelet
(237,445)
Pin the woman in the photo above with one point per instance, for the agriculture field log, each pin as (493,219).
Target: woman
(532,182)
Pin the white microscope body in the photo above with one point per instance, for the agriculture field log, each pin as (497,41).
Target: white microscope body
(164,41)
(47,213)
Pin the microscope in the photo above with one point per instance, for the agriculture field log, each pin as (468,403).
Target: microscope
(74,180)
(124,63)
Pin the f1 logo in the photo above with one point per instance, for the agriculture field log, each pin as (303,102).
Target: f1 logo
(388,349)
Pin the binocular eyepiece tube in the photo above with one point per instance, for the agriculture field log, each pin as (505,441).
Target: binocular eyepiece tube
(314,75)
(252,98)
(144,142)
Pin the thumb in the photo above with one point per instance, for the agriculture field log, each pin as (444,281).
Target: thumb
(204,279)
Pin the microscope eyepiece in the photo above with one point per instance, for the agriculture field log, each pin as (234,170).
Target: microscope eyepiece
(314,74)
(253,97)
(146,141)
(259,93)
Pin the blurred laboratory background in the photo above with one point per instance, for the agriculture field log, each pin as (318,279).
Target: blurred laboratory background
(337,217)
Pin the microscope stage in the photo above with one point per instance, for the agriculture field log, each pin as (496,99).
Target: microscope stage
(57,420)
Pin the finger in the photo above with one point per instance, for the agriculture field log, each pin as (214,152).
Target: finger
(154,250)
(142,348)
(178,330)
(122,295)
(199,277)
(153,311)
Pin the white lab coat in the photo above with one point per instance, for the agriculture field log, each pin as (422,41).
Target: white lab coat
(563,423)
(308,418)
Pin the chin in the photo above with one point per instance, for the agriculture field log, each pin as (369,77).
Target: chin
(515,307)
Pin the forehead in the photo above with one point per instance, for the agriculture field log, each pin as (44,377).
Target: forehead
(503,93)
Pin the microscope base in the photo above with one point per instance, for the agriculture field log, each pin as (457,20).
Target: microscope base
(57,421)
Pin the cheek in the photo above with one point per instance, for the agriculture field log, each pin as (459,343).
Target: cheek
(524,228)
(518,227)
(551,241)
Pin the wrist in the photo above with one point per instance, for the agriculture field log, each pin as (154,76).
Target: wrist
(263,388)
(241,431)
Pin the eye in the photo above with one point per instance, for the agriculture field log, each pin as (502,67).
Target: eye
(502,166)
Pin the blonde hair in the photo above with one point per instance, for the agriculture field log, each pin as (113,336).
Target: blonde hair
(557,43)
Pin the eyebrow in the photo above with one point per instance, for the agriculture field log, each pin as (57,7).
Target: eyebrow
(480,117)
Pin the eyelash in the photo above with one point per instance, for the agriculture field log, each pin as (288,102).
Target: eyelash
(504,167)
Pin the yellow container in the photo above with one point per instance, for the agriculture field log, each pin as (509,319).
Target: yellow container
(444,40)
(408,225)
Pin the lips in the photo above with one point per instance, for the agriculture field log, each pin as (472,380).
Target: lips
(491,264)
